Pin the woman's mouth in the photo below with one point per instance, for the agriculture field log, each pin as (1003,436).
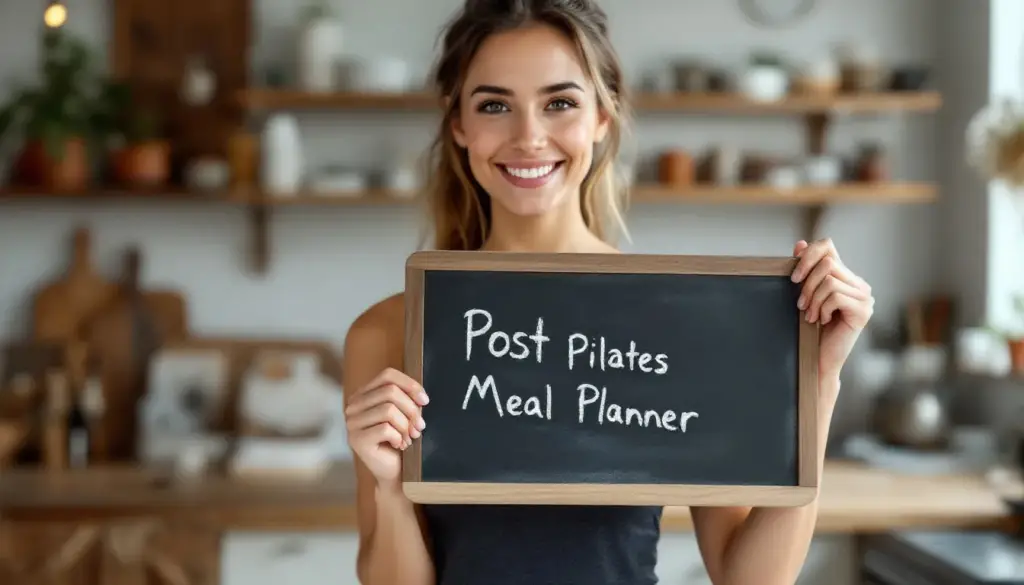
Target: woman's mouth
(530,176)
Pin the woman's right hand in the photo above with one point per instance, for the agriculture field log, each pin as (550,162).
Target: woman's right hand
(382,419)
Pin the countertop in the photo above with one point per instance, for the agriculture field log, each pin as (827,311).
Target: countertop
(854,499)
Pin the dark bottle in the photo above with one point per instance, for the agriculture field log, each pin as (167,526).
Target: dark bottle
(78,437)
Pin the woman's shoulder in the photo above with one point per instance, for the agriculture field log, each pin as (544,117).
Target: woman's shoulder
(380,328)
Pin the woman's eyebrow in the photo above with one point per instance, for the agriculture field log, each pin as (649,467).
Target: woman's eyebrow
(547,89)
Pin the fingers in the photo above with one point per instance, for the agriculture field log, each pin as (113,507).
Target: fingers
(856,312)
(389,394)
(811,255)
(800,247)
(392,399)
(403,381)
(830,286)
(383,413)
(385,433)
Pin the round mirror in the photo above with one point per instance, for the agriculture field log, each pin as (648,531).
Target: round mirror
(776,13)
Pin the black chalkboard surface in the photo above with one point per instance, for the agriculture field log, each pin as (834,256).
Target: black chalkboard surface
(610,379)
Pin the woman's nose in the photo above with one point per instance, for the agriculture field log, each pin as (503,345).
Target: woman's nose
(530,132)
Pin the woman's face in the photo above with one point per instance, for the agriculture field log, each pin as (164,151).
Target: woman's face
(529,120)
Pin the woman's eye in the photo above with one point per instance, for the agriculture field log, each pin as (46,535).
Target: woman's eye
(562,104)
(491,108)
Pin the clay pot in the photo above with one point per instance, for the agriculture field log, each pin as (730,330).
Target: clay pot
(147,164)
(676,168)
(1016,347)
(72,172)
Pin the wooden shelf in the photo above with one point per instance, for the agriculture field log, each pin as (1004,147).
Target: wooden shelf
(880,193)
(259,205)
(923,101)
(806,195)
(650,194)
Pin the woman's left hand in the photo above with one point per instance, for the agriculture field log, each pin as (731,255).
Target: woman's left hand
(834,296)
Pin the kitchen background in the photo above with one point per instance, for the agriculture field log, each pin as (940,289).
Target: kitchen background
(328,263)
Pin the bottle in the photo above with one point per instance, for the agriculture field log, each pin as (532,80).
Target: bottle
(77,437)
(94,408)
(55,437)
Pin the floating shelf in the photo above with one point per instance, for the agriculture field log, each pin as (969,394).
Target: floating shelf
(646,194)
(813,200)
(924,101)
(881,193)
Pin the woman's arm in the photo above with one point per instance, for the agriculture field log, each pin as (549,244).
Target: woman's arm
(762,546)
(768,546)
(392,541)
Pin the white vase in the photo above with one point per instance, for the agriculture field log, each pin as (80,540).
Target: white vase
(764,84)
(281,153)
(319,51)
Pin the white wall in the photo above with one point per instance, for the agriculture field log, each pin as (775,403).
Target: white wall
(329,264)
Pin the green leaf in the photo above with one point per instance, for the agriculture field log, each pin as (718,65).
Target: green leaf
(54,141)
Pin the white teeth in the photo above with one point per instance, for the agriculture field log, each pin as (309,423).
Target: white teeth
(534,173)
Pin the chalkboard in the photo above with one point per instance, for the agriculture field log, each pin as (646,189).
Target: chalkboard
(610,379)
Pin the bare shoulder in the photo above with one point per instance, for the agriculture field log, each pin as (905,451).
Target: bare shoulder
(378,333)
(383,317)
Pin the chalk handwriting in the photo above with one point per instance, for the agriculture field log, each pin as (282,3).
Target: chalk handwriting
(603,357)
(499,344)
(512,405)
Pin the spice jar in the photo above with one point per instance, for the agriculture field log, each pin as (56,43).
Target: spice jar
(871,166)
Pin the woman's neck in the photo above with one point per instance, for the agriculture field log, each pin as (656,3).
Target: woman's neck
(560,230)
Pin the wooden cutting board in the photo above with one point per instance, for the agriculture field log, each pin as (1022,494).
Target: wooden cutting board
(61,308)
(123,337)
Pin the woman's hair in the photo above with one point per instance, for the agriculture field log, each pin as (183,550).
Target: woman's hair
(459,207)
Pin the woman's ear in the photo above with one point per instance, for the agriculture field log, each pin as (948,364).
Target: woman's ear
(603,123)
(457,133)
(455,124)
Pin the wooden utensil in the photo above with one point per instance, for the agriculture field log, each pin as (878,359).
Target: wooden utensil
(61,308)
(122,339)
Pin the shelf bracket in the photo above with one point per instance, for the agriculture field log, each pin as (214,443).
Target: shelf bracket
(259,234)
(812,222)
(817,132)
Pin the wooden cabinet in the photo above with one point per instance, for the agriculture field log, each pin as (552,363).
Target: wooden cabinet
(153,44)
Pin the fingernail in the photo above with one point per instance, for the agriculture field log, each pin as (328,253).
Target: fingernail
(422,398)
(796,276)
(421,424)
(801,304)
(414,433)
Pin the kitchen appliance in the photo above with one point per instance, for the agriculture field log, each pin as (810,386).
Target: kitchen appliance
(952,557)
(912,412)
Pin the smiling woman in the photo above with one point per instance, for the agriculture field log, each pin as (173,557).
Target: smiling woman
(534,107)
(532,124)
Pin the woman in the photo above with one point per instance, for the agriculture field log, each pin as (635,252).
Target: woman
(534,103)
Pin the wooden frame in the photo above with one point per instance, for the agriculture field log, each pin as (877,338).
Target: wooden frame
(612,494)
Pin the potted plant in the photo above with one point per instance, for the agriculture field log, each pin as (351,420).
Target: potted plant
(54,118)
(765,78)
(143,157)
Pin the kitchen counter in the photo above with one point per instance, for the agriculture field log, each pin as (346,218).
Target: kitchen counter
(854,499)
